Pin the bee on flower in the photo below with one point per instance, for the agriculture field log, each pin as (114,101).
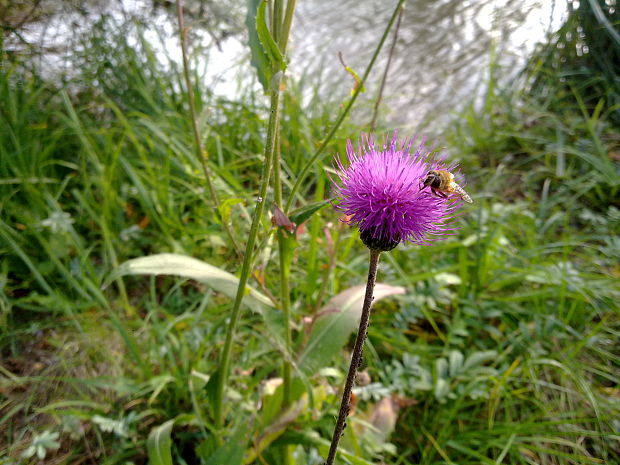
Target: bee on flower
(381,192)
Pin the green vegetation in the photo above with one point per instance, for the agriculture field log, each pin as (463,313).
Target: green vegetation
(504,348)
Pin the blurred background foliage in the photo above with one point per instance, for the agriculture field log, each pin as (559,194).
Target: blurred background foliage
(504,349)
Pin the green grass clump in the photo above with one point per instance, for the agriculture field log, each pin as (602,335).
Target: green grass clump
(503,350)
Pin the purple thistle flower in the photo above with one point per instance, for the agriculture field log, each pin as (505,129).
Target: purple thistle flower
(380,192)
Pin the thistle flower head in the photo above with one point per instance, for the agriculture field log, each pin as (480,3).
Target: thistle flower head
(380,192)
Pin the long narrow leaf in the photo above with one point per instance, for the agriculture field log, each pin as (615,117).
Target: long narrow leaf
(259,58)
(273,51)
(192,268)
(335,323)
(159,444)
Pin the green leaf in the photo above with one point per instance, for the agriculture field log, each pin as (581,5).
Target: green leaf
(211,386)
(41,443)
(212,276)
(442,389)
(456,362)
(259,58)
(302,214)
(231,453)
(269,44)
(268,433)
(271,403)
(478,358)
(335,323)
(159,444)
(441,368)
(158,383)
(266,56)
(225,207)
(192,268)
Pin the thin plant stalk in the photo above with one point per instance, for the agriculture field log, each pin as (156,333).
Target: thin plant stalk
(272,130)
(200,151)
(356,357)
(285,301)
(284,265)
(224,368)
(276,19)
(304,172)
(375,111)
(285,298)
(286,27)
(281,32)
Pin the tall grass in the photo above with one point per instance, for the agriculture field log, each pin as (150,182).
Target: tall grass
(504,349)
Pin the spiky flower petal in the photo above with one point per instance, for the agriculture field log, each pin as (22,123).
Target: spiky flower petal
(380,192)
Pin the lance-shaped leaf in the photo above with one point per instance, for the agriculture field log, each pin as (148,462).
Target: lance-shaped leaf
(265,53)
(259,58)
(273,51)
(192,268)
(213,277)
(231,452)
(159,444)
(335,323)
(304,213)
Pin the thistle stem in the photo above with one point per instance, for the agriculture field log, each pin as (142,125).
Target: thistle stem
(272,128)
(285,301)
(281,32)
(286,27)
(285,298)
(356,357)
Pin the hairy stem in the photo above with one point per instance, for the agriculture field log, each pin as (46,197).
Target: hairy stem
(281,35)
(356,357)
(285,298)
(274,117)
(276,18)
(286,27)
(281,32)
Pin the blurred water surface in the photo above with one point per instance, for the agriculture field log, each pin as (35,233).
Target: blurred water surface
(442,53)
(443,49)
